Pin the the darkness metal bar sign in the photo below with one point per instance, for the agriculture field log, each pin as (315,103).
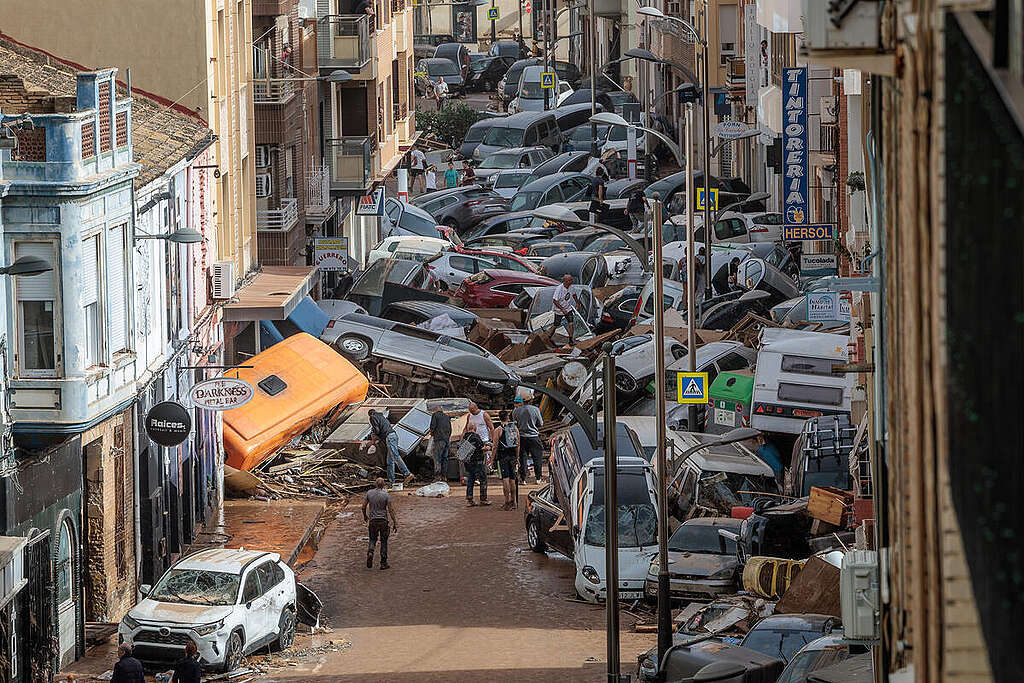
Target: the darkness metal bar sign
(794,145)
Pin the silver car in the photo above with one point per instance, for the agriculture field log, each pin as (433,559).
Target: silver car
(448,269)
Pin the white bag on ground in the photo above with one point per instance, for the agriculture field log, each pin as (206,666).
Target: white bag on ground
(439,489)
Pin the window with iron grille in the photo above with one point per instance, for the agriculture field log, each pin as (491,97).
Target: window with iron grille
(88,139)
(122,129)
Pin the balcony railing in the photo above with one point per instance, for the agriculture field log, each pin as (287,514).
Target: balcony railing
(348,40)
(397,6)
(318,192)
(272,92)
(279,220)
(827,137)
(400,111)
(351,162)
(736,71)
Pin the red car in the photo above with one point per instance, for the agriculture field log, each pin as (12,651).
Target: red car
(495,288)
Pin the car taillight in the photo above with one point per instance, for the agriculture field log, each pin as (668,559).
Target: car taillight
(758,229)
(330,324)
(521,251)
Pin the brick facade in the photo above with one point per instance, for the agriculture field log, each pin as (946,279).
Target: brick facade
(109,520)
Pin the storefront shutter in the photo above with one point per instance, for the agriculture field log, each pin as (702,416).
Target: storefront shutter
(90,270)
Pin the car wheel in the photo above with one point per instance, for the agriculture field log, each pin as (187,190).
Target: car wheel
(233,653)
(285,630)
(354,348)
(624,382)
(533,536)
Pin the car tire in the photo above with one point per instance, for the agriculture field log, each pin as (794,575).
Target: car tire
(285,630)
(354,348)
(533,536)
(625,383)
(233,652)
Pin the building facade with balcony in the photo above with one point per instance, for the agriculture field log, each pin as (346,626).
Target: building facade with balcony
(368,120)
(292,195)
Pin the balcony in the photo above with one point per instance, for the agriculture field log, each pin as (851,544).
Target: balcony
(273,92)
(352,162)
(345,41)
(319,206)
(736,72)
(828,138)
(279,220)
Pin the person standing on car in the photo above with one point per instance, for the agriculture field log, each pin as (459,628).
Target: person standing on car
(565,307)
(441,432)
(419,163)
(385,437)
(377,508)
(187,669)
(476,471)
(529,421)
(506,438)
(127,669)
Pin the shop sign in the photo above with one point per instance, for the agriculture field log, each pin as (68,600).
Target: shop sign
(222,393)
(168,423)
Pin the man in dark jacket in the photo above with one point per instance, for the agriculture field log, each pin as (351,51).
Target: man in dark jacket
(187,670)
(441,433)
(128,669)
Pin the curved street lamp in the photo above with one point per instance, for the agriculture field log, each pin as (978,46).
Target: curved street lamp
(179,236)
(611,119)
(27,266)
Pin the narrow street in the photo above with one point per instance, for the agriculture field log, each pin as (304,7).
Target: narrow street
(465,599)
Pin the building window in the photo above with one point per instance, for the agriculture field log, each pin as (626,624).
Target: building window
(117,288)
(36,311)
(91,303)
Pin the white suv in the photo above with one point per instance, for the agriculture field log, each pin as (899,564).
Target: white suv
(229,602)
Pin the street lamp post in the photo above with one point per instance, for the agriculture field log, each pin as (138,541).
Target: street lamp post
(27,266)
(611,518)
(609,119)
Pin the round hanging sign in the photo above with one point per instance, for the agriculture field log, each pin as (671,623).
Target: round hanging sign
(168,423)
(222,393)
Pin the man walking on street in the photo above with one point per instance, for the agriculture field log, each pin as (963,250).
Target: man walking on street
(385,437)
(419,165)
(127,669)
(529,420)
(475,470)
(376,510)
(441,432)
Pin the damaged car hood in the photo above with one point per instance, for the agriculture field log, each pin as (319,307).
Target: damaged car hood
(179,613)
(698,564)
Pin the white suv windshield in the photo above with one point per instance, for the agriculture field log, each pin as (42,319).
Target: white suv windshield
(196,587)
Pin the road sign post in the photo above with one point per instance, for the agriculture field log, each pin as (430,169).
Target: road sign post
(714,198)
(692,387)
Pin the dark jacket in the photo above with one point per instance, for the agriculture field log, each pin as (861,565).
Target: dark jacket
(128,670)
(187,670)
(380,426)
(441,426)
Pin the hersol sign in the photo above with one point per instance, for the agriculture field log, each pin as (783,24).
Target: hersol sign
(223,393)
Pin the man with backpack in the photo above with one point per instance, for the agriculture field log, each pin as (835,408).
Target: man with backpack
(529,421)
(507,438)
(636,209)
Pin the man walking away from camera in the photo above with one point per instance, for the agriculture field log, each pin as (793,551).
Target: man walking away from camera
(529,420)
(385,437)
(441,433)
(376,510)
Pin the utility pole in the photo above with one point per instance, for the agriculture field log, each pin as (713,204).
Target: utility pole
(664,595)
(592,20)
(706,106)
(494,30)
(611,517)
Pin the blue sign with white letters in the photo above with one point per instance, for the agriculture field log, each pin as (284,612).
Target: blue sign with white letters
(794,146)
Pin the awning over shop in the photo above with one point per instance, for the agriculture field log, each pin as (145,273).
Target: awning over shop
(272,295)
(769,108)
(780,16)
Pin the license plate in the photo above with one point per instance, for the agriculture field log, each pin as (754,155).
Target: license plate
(630,595)
(726,418)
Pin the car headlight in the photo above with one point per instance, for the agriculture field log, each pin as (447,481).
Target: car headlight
(726,573)
(590,574)
(129,623)
(207,629)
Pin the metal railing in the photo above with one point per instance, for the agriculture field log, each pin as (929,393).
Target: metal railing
(397,6)
(279,220)
(828,138)
(400,111)
(272,92)
(318,191)
(350,161)
(349,43)
(736,70)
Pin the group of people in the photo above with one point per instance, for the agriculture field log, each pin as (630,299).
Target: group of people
(424,174)
(128,669)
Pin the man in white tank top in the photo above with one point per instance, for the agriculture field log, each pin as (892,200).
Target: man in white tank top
(478,421)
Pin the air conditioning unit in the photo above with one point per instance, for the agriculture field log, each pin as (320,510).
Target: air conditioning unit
(263,185)
(262,156)
(223,280)
(858,594)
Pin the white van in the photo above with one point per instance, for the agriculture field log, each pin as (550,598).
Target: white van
(794,379)
(637,523)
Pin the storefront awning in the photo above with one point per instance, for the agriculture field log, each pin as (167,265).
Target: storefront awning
(272,295)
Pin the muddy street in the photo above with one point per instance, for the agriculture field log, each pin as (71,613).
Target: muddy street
(465,599)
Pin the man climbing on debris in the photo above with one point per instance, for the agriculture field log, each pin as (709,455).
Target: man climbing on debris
(529,421)
(565,307)
(475,469)
(441,432)
(385,437)
(377,508)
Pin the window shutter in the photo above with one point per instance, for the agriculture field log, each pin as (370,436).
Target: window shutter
(90,271)
(117,288)
(40,287)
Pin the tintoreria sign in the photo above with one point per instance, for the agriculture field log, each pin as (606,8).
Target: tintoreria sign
(794,145)
(223,393)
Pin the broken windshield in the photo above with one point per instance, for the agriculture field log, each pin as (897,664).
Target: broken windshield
(196,587)
(637,518)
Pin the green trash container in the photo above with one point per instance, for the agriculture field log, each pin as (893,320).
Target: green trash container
(729,400)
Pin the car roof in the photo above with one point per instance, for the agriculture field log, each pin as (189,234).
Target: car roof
(549,180)
(517,150)
(796,622)
(501,273)
(713,521)
(431,308)
(227,560)
(570,260)
(524,118)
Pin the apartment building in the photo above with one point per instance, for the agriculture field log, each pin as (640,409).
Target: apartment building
(366,104)
(191,55)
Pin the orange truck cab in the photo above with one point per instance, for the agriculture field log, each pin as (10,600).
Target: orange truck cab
(297,382)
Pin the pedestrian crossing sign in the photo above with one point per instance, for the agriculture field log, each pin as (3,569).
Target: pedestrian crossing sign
(492,13)
(692,387)
(714,198)
(547,80)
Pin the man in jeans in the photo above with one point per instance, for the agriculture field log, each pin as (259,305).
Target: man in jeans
(528,418)
(475,470)
(384,435)
(376,509)
(441,433)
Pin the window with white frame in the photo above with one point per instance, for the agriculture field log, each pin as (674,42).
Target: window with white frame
(91,299)
(117,288)
(36,309)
